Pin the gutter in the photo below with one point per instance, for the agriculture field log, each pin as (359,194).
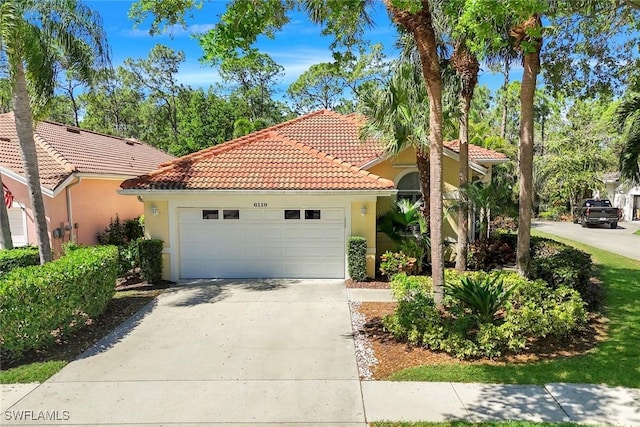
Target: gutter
(69,206)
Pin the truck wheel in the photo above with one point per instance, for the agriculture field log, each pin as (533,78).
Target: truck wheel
(614,225)
(584,223)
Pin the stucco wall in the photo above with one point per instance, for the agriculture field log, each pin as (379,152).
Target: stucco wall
(95,202)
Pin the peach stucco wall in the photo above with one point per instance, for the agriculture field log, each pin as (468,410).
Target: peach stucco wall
(94,203)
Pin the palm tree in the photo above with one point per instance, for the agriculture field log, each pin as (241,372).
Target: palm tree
(530,46)
(467,66)
(627,119)
(33,35)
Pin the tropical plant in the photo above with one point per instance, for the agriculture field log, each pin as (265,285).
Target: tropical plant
(404,217)
(628,121)
(484,296)
(34,35)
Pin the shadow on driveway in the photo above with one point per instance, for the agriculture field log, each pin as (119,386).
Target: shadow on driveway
(209,291)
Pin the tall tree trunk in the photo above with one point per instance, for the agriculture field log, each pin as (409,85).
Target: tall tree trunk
(505,103)
(420,24)
(531,64)
(467,67)
(423,165)
(5,235)
(24,128)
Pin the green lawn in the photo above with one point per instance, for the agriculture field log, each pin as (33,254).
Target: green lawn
(637,232)
(36,372)
(469,424)
(615,362)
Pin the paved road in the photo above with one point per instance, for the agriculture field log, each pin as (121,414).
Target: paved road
(620,241)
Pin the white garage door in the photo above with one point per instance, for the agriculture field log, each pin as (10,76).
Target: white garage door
(262,243)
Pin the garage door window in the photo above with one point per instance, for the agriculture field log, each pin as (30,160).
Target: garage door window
(291,214)
(210,214)
(231,214)
(312,214)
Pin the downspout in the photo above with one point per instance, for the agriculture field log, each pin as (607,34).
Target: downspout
(69,210)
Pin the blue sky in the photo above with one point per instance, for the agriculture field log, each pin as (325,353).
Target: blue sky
(296,48)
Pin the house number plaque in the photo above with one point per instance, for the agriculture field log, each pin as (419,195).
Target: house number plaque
(260,205)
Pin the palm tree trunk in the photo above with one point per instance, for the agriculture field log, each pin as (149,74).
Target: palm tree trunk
(24,128)
(463,173)
(420,25)
(531,64)
(422,163)
(5,236)
(505,102)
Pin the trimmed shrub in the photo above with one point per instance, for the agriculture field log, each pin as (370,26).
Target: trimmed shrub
(415,248)
(357,258)
(18,257)
(531,311)
(150,255)
(488,254)
(392,263)
(40,303)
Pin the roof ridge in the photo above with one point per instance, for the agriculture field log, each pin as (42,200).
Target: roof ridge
(55,154)
(333,159)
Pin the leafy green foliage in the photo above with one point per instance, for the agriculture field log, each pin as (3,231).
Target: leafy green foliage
(357,258)
(487,254)
(404,216)
(150,255)
(627,119)
(528,310)
(18,257)
(40,303)
(392,263)
(483,296)
(415,248)
(121,233)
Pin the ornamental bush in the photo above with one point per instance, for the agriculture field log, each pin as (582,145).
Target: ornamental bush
(530,312)
(357,258)
(18,257)
(40,303)
(149,252)
(392,263)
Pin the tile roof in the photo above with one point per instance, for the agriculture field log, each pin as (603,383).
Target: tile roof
(317,151)
(476,153)
(63,150)
(262,161)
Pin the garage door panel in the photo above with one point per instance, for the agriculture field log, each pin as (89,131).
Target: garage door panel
(261,244)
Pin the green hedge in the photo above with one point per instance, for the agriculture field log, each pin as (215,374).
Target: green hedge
(18,257)
(150,256)
(39,303)
(357,258)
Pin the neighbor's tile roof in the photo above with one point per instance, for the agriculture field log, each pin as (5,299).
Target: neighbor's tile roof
(262,161)
(63,150)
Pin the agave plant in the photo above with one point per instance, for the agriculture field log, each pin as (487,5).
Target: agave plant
(483,296)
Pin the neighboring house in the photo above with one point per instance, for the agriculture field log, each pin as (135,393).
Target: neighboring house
(80,175)
(623,196)
(282,202)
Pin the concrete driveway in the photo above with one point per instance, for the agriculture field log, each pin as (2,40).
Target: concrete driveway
(272,351)
(621,241)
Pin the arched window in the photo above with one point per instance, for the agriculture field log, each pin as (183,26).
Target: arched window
(409,187)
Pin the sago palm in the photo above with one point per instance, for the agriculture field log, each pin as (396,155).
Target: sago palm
(34,34)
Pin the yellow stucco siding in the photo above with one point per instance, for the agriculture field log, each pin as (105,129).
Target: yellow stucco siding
(157,227)
(365,226)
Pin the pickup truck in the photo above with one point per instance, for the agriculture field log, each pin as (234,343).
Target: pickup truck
(594,212)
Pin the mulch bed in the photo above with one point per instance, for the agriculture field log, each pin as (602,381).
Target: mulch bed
(394,356)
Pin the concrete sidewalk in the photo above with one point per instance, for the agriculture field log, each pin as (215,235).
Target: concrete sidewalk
(553,403)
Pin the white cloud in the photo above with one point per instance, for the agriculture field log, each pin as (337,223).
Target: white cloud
(298,60)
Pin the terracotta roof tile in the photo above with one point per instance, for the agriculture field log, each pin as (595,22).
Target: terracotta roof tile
(262,161)
(317,151)
(476,153)
(63,149)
